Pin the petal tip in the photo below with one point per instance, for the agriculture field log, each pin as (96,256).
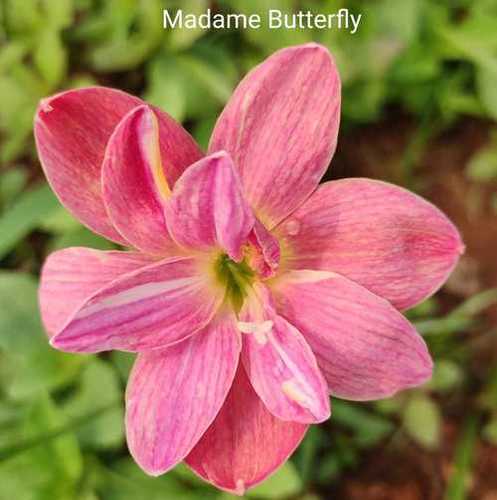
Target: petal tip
(64,342)
(152,471)
(55,342)
(59,342)
(315,46)
(45,105)
(145,110)
(221,155)
(422,374)
(318,50)
(240,488)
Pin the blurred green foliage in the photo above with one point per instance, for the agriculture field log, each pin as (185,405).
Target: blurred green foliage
(61,422)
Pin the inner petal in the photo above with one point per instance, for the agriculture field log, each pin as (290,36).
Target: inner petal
(263,251)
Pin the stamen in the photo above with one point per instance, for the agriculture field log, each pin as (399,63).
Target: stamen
(292,389)
(259,330)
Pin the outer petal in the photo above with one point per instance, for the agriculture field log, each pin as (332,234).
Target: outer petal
(158,305)
(381,236)
(145,155)
(365,348)
(175,394)
(245,444)
(281,127)
(71,130)
(72,275)
(207,208)
(280,364)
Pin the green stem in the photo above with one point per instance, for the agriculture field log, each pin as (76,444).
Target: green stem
(463,461)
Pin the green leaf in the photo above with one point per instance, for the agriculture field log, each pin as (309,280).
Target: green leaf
(446,375)
(19,94)
(459,481)
(362,101)
(11,54)
(81,237)
(390,406)
(12,182)
(483,165)
(123,361)
(490,430)
(99,387)
(58,14)
(306,455)
(422,421)
(368,427)
(461,317)
(23,16)
(211,79)
(127,482)
(60,222)
(486,79)
(49,469)
(182,38)
(29,364)
(50,58)
(25,215)
(137,32)
(284,483)
(185,475)
(166,88)
(203,131)
(426,308)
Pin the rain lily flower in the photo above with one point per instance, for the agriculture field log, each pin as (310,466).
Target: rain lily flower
(251,293)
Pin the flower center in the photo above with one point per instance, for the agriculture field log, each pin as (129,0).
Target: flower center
(236,277)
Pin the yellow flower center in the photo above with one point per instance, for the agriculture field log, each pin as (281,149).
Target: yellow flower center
(235,277)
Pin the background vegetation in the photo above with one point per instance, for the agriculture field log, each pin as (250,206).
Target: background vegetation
(419,109)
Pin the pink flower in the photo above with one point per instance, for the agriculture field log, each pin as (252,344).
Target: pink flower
(252,292)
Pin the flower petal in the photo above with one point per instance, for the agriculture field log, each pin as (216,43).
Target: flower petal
(245,444)
(145,155)
(72,275)
(71,130)
(381,236)
(264,256)
(207,208)
(280,364)
(280,127)
(365,348)
(158,305)
(174,394)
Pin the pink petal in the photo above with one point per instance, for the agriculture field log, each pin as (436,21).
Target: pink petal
(264,256)
(155,306)
(174,395)
(72,275)
(245,444)
(280,364)
(381,236)
(365,348)
(207,208)
(280,127)
(71,130)
(145,155)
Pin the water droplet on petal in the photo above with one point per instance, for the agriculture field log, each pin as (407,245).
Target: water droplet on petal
(292,227)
